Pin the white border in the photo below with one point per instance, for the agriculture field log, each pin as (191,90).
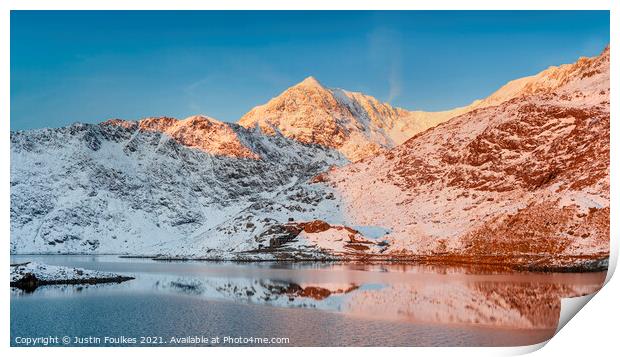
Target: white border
(591,332)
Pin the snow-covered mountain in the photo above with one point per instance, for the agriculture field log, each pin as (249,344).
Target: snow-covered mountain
(360,126)
(528,176)
(122,186)
(520,177)
(355,124)
(525,182)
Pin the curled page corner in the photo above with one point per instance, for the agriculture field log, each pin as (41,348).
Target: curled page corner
(570,308)
(613,260)
(523,350)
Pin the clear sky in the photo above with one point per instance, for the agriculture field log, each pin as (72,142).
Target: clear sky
(88,66)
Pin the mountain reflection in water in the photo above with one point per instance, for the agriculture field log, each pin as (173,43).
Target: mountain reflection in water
(395,294)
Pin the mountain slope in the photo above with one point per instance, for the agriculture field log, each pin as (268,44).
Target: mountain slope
(529,176)
(355,124)
(122,186)
(310,113)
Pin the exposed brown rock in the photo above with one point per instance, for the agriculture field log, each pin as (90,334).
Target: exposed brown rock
(316,226)
(316,293)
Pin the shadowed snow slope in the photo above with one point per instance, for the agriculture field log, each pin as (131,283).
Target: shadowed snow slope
(123,186)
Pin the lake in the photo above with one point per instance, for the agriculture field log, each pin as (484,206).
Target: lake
(294,304)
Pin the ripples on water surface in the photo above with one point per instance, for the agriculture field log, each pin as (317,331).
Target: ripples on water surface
(312,304)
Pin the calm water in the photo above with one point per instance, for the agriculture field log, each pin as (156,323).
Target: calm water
(309,304)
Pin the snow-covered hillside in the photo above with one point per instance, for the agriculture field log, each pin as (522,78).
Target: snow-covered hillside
(521,177)
(529,176)
(124,186)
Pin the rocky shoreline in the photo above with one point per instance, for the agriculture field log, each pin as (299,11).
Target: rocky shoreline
(531,263)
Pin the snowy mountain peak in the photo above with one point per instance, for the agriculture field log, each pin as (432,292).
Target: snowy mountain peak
(200,118)
(310,81)
(355,124)
(360,126)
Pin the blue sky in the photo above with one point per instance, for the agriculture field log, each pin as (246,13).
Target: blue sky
(88,66)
